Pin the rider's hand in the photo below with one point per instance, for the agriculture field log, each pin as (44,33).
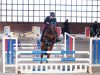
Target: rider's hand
(47,22)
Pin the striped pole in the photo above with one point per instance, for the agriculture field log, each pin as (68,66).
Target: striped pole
(98,52)
(94,51)
(52,59)
(6,44)
(12,50)
(8,51)
(38,44)
(71,44)
(46,52)
(67,42)
(46,59)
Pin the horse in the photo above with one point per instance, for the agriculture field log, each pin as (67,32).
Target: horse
(49,39)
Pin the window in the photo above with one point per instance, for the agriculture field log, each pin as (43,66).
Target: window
(89,14)
(89,20)
(19,13)
(46,13)
(19,7)
(20,1)
(41,1)
(53,7)
(9,18)
(73,8)
(31,1)
(15,19)
(58,13)
(47,7)
(74,14)
(42,13)
(89,8)
(3,13)
(57,1)
(25,19)
(25,7)
(30,13)
(30,7)
(41,7)
(3,18)
(73,2)
(14,7)
(73,19)
(84,2)
(52,1)
(30,19)
(63,2)
(36,1)
(14,13)
(58,7)
(36,7)
(9,13)
(8,7)
(36,19)
(20,19)
(68,13)
(68,2)
(4,1)
(41,19)
(83,14)
(9,1)
(62,7)
(36,13)
(62,13)
(94,8)
(78,19)
(83,19)
(3,7)
(25,13)
(37,10)
(25,1)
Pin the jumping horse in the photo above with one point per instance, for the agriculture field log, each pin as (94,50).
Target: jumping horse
(49,39)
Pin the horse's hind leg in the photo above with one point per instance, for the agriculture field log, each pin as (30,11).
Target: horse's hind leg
(42,48)
(48,56)
(41,57)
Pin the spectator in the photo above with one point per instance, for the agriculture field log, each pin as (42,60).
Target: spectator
(65,27)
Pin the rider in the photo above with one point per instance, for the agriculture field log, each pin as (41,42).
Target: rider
(95,27)
(65,27)
(49,20)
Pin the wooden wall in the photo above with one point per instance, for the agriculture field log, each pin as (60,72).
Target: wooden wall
(77,28)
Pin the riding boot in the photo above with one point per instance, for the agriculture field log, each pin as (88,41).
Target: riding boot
(41,38)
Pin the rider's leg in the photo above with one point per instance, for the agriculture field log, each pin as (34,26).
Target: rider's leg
(57,37)
(43,33)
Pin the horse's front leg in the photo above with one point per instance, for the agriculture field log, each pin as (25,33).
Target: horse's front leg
(48,55)
(42,48)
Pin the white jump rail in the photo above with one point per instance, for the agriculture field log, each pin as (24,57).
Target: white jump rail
(53,68)
(34,46)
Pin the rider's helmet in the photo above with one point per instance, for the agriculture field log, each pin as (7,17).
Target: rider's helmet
(52,14)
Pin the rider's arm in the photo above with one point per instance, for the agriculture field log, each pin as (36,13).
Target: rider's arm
(46,21)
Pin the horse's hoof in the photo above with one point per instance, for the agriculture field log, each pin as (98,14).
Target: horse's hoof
(41,62)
